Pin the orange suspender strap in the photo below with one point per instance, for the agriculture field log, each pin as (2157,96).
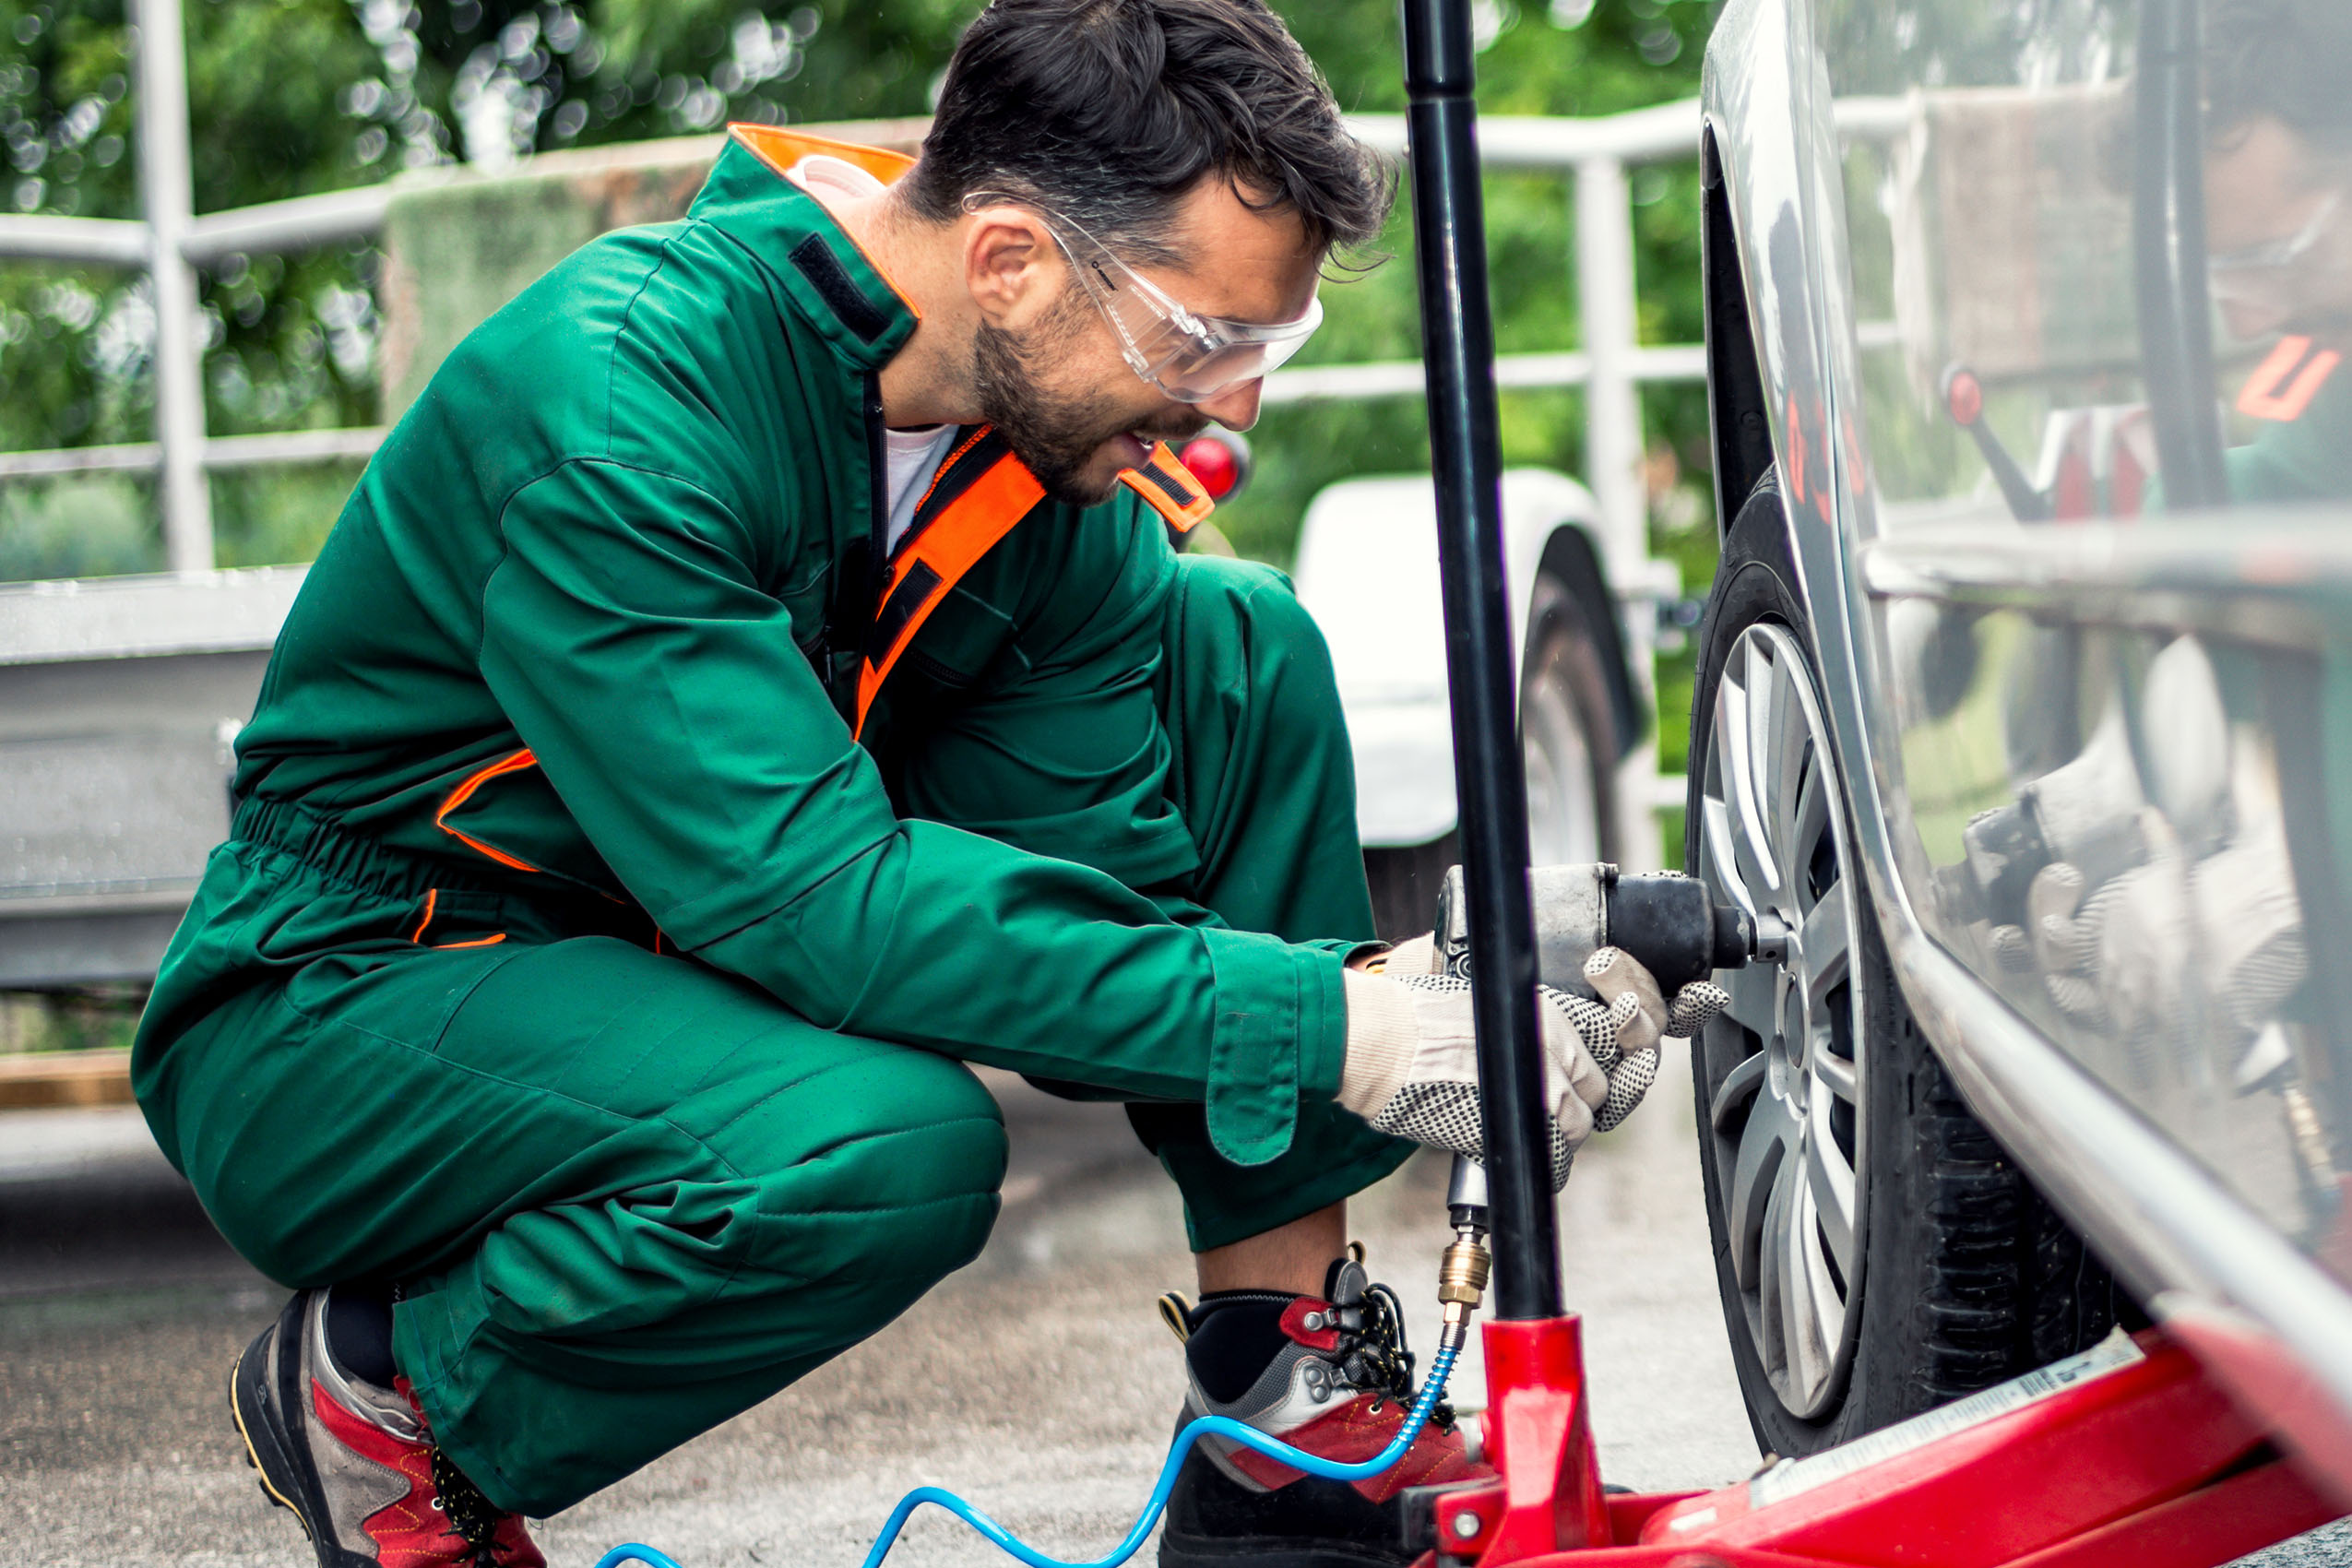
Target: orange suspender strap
(514,761)
(2282,389)
(1169,487)
(948,543)
(933,560)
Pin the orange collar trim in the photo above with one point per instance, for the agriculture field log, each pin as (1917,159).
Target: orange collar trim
(781,149)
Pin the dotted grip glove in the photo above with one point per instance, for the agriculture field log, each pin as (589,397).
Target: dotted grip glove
(1411,1069)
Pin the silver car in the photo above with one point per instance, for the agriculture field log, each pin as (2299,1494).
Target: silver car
(2023,720)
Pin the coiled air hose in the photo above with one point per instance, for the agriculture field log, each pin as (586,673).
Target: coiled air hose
(1433,1389)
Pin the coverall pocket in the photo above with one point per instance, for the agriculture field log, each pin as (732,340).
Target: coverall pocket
(407,998)
(351,960)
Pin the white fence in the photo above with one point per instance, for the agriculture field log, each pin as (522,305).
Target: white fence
(173,242)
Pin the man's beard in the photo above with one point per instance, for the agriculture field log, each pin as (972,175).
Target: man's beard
(1055,441)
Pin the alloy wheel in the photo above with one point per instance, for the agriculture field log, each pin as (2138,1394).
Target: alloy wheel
(1789,1115)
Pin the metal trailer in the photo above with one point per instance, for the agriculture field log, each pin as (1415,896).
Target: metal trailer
(1586,588)
(119,701)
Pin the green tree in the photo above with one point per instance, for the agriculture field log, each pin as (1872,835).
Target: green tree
(291,96)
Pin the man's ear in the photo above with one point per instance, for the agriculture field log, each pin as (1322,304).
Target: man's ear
(1012,265)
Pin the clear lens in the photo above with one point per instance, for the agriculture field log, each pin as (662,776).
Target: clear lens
(1193,377)
(1190,358)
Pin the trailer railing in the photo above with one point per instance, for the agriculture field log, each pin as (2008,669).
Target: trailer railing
(172,243)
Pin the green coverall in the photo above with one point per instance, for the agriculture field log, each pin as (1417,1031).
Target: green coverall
(634,1058)
(2309,458)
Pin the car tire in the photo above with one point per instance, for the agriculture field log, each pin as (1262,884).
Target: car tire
(1568,737)
(1569,745)
(1954,1274)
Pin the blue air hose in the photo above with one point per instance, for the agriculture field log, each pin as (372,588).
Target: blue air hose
(1220,1426)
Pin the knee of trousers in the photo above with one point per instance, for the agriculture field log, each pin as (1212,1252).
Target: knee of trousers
(1242,629)
(882,1213)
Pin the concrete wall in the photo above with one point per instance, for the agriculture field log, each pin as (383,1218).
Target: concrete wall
(457,248)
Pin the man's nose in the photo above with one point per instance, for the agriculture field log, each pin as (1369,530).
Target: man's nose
(1236,407)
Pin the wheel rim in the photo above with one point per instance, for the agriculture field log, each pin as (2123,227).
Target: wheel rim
(1788,1116)
(1563,813)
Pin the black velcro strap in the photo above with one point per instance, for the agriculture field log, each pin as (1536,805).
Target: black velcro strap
(823,269)
(1178,490)
(899,608)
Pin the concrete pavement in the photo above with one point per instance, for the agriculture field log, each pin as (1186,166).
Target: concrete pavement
(1038,1382)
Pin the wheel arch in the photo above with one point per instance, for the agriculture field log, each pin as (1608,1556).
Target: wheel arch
(1571,558)
(1741,430)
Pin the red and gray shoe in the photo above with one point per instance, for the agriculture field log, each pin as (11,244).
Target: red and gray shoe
(1329,1374)
(356,1463)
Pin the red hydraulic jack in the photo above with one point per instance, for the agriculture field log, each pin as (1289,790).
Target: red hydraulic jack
(2125,1456)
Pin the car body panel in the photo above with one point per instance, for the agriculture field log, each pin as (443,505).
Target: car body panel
(2206,668)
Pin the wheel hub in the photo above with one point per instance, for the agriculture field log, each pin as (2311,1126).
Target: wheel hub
(1788,1113)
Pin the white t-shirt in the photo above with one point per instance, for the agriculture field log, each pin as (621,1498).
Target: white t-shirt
(909,457)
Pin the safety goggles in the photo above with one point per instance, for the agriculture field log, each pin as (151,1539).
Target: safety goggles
(2234,271)
(1190,357)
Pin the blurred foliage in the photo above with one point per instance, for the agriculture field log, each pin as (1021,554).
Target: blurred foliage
(88,525)
(97,1019)
(291,96)
(1579,57)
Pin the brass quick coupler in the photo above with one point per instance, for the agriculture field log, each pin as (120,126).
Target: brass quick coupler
(1461,1277)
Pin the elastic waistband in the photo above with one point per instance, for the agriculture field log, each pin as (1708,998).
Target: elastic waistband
(350,858)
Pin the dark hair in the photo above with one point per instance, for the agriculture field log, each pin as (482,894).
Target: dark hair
(2287,59)
(1111,110)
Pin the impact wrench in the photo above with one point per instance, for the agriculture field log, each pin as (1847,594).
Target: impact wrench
(1668,924)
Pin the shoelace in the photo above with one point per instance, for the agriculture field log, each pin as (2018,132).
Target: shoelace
(473,1516)
(1373,1355)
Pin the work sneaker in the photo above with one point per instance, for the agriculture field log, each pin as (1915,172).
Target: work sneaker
(356,1463)
(1329,1374)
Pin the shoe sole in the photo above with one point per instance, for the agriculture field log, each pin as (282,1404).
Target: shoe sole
(268,1445)
(1272,1552)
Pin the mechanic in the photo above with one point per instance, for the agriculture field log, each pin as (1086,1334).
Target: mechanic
(2278,216)
(755,681)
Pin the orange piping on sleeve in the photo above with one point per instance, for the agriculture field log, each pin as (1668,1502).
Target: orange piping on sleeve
(432,897)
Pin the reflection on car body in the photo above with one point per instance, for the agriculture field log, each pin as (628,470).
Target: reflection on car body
(2048,334)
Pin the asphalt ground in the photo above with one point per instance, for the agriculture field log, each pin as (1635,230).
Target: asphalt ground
(1038,1382)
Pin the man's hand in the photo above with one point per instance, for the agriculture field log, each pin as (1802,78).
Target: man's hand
(1412,1067)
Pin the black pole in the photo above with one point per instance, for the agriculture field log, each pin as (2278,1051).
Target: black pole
(1457,343)
(2168,256)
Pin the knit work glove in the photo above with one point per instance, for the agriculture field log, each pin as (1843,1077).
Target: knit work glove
(1411,1069)
(2124,959)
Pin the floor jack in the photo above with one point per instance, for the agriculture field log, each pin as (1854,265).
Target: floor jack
(2124,1456)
